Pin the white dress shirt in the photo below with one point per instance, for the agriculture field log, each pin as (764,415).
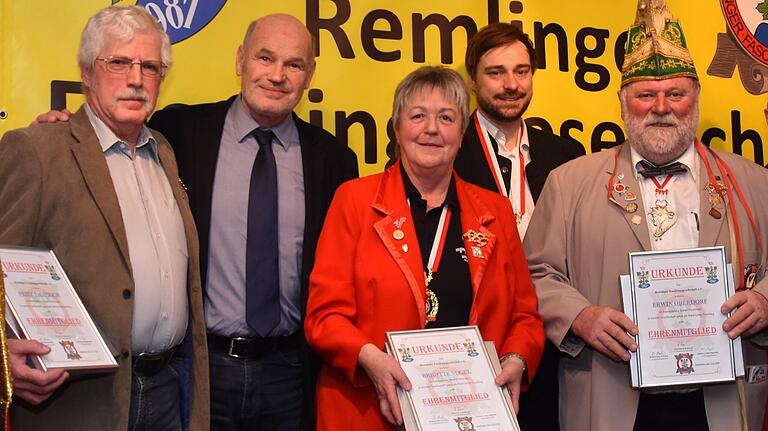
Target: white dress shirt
(512,153)
(157,244)
(682,197)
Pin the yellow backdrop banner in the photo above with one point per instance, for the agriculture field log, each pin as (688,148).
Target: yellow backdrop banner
(364,47)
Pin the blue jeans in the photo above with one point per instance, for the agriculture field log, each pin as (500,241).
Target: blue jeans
(155,401)
(257,394)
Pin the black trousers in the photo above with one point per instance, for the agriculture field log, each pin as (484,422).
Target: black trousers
(539,405)
(673,412)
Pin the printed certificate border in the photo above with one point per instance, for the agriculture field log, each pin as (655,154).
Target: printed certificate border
(718,255)
(410,416)
(108,360)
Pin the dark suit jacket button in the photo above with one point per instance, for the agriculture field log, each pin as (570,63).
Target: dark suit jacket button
(124,354)
(126,294)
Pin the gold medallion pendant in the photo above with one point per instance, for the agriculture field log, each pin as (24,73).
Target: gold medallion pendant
(433,305)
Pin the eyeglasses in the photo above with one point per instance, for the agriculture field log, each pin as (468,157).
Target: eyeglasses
(123,65)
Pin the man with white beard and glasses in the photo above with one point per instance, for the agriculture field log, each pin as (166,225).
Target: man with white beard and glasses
(660,190)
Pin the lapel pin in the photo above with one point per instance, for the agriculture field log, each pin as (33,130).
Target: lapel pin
(478,238)
(631,207)
(636,219)
(714,198)
(405,248)
(399,223)
(398,234)
(630,196)
(477,252)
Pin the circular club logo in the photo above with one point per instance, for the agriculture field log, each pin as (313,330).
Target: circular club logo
(747,21)
(182,18)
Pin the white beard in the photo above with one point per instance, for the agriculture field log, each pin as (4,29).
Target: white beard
(660,145)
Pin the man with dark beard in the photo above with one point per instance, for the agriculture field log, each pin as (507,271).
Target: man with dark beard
(500,153)
(660,190)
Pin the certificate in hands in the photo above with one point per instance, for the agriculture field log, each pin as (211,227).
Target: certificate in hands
(44,306)
(674,298)
(453,381)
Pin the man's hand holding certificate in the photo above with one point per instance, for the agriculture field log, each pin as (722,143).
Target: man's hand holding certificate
(750,313)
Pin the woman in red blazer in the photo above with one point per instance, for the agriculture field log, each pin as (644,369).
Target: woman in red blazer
(374,273)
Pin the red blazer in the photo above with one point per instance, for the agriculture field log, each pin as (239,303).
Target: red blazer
(364,284)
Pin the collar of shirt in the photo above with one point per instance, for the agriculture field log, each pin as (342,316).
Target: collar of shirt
(108,139)
(689,158)
(413,194)
(501,139)
(286,132)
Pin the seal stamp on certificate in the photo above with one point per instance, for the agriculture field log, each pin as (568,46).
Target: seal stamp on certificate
(42,305)
(684,363)
(674,298)
(452,372)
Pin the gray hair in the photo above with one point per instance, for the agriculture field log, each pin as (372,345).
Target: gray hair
(118,23)
(430,77)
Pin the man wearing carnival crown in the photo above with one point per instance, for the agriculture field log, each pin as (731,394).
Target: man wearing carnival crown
(660,190)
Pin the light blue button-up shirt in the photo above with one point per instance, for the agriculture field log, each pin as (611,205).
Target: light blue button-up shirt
(225,286)
(157,244)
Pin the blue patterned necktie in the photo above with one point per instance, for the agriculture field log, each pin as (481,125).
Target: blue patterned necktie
(262,278)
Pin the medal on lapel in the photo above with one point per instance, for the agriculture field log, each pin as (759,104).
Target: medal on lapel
(398,224)
(398,232)
(479,239)
(622,190)
(715,200)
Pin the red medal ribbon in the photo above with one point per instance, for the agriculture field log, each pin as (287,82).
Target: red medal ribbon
(441,233)
(491,160)
(661,186)
(522,172)
(613,173)
(728,178)
(493,164)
